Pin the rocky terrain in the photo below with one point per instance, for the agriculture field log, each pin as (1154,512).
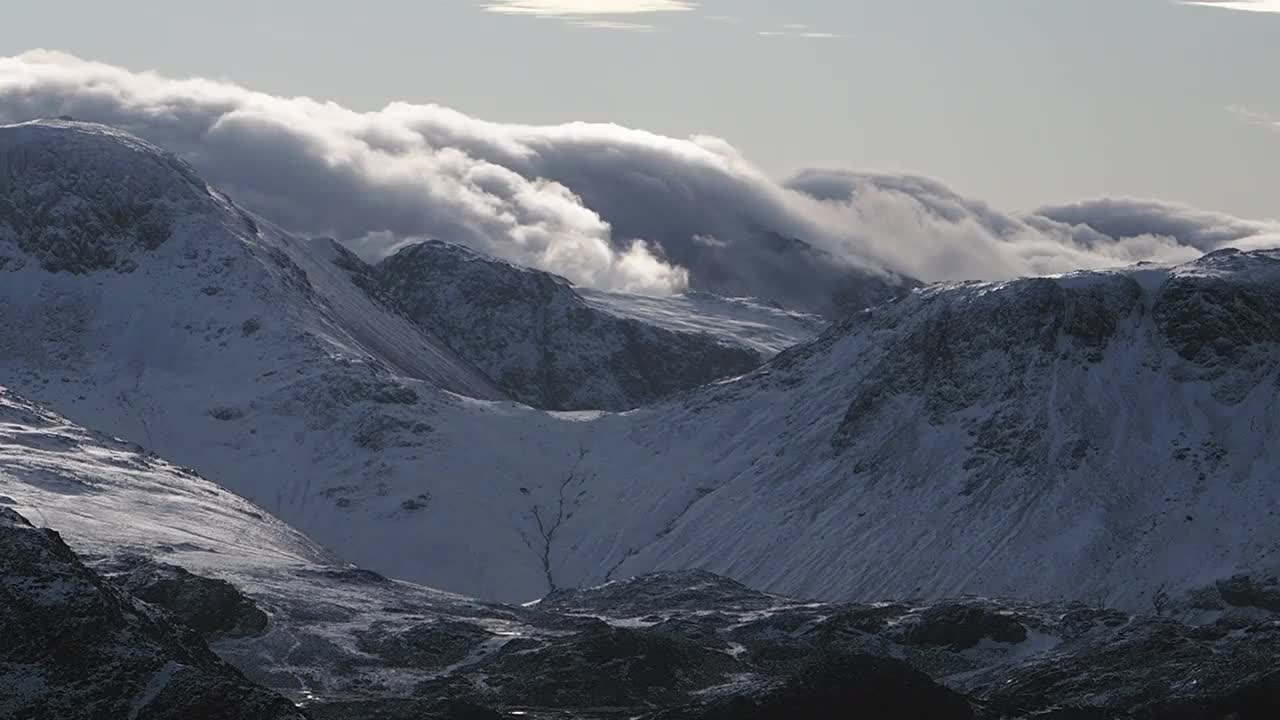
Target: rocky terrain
(550,347)
(78,647)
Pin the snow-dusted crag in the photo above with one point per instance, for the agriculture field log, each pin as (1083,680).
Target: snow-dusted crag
(550,347)
(77,647)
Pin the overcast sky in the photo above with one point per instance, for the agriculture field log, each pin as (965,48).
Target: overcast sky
(1019,102)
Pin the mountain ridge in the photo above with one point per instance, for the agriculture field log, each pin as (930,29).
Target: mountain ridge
(1095,435)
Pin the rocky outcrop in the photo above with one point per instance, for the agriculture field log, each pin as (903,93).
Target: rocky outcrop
(77,647)
(538,339)
(837,687)
(214,608)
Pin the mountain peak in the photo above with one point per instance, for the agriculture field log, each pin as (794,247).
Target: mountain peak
(80,197)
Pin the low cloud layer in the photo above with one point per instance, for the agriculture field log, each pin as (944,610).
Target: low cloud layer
(606,206)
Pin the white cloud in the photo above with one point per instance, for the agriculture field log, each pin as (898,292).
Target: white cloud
(1253,117)
(1269,6)
(613,25)
(606,206)
(800,30)
(561,8)
(812,35)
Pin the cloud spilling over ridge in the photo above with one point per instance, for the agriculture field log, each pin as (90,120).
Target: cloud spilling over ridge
(606,206)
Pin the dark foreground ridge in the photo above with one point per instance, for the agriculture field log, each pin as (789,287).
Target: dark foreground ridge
(75,646)
(686,645)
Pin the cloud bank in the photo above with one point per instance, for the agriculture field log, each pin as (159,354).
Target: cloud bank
(606,206)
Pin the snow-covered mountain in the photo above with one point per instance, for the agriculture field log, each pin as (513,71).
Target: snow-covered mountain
(551,347)
(1107,436)
(159,565)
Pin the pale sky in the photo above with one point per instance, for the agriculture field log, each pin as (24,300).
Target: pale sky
(1017,102)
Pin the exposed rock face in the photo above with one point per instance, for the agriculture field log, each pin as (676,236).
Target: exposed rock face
(1246,591)
(960,627)
(77,647)
(214,608)
(1221,317)
(1147,668)
(539,340)
(78,205)
(856,686)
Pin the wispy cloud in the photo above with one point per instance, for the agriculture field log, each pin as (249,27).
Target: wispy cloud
(799,31)
(613,25)
(1254,117)
(569,8)
(1267,6)
(592,14)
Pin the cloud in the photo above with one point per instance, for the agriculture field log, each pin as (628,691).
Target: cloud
(1269,6)
(606,206)
(799,30)
(592,14)
(565,8)
(809,34)
(1253,117)
(613,25)
(1125,219)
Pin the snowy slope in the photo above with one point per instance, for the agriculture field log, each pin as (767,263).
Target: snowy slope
(1071,437)
(347,643)
(1096,435)
(744,321)
(1099,436)
(557,347)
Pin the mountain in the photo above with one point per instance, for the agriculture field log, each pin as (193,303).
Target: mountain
(107,240)
(1102,436)
(160,565)
(1099,434)
(551,347)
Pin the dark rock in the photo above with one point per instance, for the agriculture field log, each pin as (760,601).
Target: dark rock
(403,709)
(1245,591)
(606,666)
(536,337)
(1223,322)
(213,607)
(960,627)
(660,592)
(76,646)
(429,645)
(855,687)
(1149,668)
